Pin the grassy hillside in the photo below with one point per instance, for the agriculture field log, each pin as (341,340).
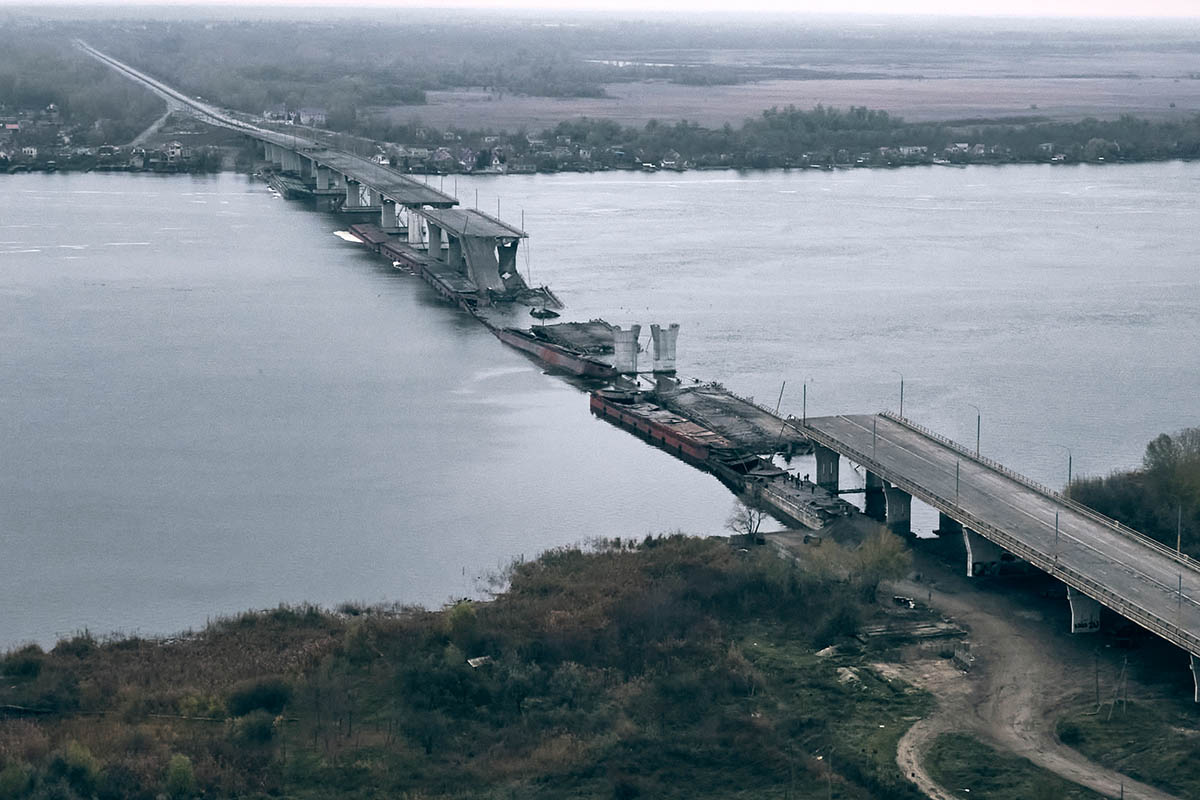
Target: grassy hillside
(675,667)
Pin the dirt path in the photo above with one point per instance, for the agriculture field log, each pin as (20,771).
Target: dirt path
(1024,675)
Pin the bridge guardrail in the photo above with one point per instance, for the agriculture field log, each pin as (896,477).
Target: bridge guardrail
(1144,617)
(1042,489)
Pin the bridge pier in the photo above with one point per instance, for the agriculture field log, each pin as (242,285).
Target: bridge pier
(664,347)
(1194,662)
(435,241)
(625,349)
(1085,612)
(874,500)
(454,253)
(353,194)
(321,176)
(983,556)
(306,166)
(387,214)
(827,467)
(899,509)
(415,228)
(948,525)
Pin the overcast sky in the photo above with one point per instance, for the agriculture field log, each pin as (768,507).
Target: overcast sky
(1039,8)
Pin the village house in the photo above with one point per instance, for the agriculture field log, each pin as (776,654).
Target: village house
(311,116)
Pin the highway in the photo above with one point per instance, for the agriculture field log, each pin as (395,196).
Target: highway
(387,181)
(1132,575)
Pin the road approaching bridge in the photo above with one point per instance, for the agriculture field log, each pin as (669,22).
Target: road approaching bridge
(295,153)
(1000,512)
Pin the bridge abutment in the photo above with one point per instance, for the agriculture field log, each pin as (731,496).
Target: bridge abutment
(1085,612)
(827,467)
(899,509)
(983,556)
(874,499)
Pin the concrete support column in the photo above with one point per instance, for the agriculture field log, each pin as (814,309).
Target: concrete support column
(1194,662)
(387,214)
(875,502)
(353,195)
(416,228)
(506,257)
(277,156)
(625,349)
(664,347)
(372,197)
(268,151)
(948,525)
(454,254)
(306,167)
(1085,612)
(899,509)
(435,241)
(321,175)
(827,467)
(983,556)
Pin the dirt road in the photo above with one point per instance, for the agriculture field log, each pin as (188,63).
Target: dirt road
(1026,672)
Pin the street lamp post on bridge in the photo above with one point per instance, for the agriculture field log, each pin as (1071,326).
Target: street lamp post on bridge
(978,423)
(901,374)
(1070,465)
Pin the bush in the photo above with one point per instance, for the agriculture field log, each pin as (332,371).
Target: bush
(78,767)
(267,694)
(181,781)
(257,727)
(24,663)
(1069,733)
(15,781)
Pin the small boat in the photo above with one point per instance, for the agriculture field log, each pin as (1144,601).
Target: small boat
(543,313)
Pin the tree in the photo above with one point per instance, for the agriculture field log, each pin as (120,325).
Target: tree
(745,520)
(181,781)
(881,557)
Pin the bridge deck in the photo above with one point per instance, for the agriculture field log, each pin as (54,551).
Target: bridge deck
(393,184)
(1136,578)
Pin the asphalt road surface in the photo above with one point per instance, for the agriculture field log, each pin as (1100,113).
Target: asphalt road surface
(1133,570)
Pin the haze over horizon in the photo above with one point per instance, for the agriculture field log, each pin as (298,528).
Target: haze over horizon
(1095,9)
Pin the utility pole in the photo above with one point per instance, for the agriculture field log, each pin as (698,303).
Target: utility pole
(957,465)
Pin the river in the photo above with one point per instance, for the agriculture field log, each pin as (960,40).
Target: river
(211,402)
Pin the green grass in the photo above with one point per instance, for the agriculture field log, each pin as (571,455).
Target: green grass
(1154,741)
(959,762)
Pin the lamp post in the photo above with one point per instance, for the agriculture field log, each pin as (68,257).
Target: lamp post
(1070,464)
(804,402)
(901,374)
(978,423)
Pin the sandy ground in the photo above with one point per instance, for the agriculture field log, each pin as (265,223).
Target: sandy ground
(1028,669)
(914,99)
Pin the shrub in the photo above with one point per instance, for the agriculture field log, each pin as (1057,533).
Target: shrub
(267,694)
(15,781)
(80,645)
(1069,733)
(257,727)
(24,663)
(181,781)
(77,766)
